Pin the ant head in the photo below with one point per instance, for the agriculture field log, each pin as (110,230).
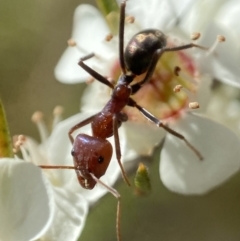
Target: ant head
(91,155)
(140,49)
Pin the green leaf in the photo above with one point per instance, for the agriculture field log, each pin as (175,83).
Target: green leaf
(6,149)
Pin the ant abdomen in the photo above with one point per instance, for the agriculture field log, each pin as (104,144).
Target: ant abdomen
(140,49)
(91,155)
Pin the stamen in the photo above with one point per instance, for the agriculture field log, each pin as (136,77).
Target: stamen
(193,105)
(177,88)
(21,140)
(57,113)
(71,43)
(195,36)
(37,118)
(109,37)
(219,39)
(129,19)
(18,142)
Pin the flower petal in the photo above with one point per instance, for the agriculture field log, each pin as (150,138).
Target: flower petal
(200,15)
(34,152)
(225,61)
(180,169)
(69,216)
(89,32)
(165,13)
(142,138)
(99,90)
(229,15)
(26,201)
(203,93)
(62,156)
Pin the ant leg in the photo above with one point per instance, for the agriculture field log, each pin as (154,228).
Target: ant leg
(56,167)
(92,72)
(79,125)
(121,36)
(153,119)
(156,57)
(116,194)
(118,148)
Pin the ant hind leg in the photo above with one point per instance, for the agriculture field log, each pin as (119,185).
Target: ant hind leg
(153,119)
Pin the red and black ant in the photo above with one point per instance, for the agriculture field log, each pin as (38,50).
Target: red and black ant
(92,154)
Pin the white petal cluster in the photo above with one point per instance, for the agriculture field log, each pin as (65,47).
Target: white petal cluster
(179,169)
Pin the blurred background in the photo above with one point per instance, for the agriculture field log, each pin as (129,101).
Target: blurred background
(33,36)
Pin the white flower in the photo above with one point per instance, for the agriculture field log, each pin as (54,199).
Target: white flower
(69,206)
(180,169)
(218,16)
(26,201)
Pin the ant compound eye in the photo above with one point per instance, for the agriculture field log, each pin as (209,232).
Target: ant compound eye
(73,153)
(100,159)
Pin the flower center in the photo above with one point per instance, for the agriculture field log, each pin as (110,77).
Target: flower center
(166,94)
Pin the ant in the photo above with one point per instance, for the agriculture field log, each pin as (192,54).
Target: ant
(92,154)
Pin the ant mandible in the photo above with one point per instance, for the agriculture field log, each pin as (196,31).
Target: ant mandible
(92,154)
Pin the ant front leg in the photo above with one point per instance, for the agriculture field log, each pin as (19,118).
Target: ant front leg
(156,56)
(117,120)
(92,72)
(153,119)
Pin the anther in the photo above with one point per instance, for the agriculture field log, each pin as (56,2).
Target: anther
(58,110)
(37,118)
(177,69)
(18,142)
(71,43)
(195,36)
(221,38)
(57,113)
(109,37)
(129,19)
(193,105)
(177,88)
